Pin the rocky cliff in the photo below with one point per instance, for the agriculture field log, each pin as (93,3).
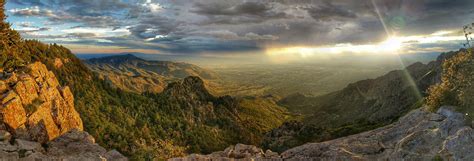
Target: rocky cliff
(35,110)
(35,106)
(420,135)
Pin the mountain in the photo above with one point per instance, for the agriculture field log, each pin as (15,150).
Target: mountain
(436,131)
(183,119)
(384,98)
(134,74)
(361,106)
(420,135)
(143,126)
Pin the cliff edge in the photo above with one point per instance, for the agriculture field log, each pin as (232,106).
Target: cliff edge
(38,119)
(420,135)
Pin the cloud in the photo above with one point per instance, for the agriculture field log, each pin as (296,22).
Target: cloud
(178,26)
(32,29)
(33,11)
(228,35)
(82,35)
(327,11)
(245,12)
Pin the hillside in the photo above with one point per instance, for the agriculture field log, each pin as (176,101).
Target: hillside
(359,107)
(183,119)
(134,74)
(420,135)
(435,131)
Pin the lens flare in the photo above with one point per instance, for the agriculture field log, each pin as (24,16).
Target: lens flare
(393,42)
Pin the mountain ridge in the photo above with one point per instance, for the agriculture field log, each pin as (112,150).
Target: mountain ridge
(133,74)
(142,126)
(361,106)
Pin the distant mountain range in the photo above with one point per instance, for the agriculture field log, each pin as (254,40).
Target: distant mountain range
(131,73)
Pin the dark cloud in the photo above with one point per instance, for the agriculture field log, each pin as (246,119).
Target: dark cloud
(245,12)
(82,35)
(328,11)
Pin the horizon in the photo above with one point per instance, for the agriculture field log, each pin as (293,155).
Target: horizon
(241,31)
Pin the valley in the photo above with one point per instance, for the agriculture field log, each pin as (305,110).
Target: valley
(235,80)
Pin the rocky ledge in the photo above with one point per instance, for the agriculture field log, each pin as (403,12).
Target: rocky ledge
(38,120)
(238,152)
(420,135)
(71,146)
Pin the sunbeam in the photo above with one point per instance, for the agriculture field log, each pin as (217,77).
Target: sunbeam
(392,42)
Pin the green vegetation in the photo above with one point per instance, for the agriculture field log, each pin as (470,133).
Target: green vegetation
(456,88)
(295,133)
(144,126)
(437,158)
(261,115)
(33,106)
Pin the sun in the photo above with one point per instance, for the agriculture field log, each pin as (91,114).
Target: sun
(392,44)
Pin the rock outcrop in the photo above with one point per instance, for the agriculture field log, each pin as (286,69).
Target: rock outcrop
(73,145)
(34,106)
(237,152)
(38,120)
(420,135)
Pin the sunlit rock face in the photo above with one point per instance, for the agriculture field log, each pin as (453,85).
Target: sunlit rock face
(34,106)
(38,120)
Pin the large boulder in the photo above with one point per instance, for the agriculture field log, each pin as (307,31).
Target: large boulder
(34,106)
(71,146)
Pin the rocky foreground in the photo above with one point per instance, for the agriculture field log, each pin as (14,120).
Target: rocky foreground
(420,135)
(38,120)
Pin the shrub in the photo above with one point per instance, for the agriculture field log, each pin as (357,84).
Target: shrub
(456,87)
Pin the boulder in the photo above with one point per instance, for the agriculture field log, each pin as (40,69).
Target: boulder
(240,152)
(73,145)
(5,136)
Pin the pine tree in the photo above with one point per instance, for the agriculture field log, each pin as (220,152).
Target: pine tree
(10,44)
(2,10)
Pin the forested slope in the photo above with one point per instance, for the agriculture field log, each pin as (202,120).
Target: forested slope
(142,126)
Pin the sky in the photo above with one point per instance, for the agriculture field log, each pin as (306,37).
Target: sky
(279,29)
